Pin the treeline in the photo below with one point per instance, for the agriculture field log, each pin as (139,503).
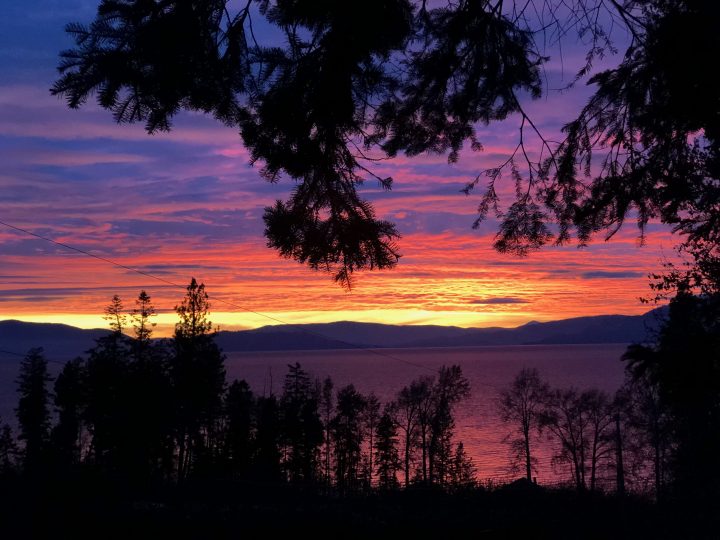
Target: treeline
(659,433)
(135,415)
(144,413)
(596,440)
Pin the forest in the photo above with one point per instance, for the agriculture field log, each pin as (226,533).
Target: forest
(140,431)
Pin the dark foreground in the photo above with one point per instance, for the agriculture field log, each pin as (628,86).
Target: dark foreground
(519,510)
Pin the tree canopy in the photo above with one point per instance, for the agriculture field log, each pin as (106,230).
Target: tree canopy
(327,88)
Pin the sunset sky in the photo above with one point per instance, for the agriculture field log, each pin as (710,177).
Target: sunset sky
(188,204)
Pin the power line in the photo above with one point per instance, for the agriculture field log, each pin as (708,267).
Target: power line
(13,353)
(221,300)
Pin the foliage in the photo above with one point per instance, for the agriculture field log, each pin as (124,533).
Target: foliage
(33,409)
(302,430)
(197,382)
(348,438)
(387,458)
(341,85)
(682,369)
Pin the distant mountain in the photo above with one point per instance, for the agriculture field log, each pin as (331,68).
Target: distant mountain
(64,342)
(59,341)
(350,335)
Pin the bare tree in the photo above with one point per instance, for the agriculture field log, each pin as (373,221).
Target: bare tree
(521,405)
(371,417)
(601,421)
(581,423)
(408,409)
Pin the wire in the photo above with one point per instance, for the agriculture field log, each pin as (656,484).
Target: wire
(13,353)
(221,300)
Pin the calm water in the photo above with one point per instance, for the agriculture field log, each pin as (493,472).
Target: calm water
(487,368)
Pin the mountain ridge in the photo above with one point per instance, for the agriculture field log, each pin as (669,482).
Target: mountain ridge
(62,341)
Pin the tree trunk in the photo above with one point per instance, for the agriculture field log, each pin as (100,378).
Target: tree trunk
(528,461)
(658,475)
(619,465)
(407,459)
(593,461)
(424,455)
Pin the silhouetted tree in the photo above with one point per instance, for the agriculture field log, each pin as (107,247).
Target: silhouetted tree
(9,452)
(239,408)
(387,458)
(107,394)
(582,424)
(423,396)
(407,411)
(301,426)
(683,366)
(371,416)
(142,323)
(601,417)
(267,439)
(413,78)
(348,437)
(648,427)
(33,412)
(198,379)
(521,405)
(567,420)
(148,399)
(115,315)
(462,469)
(327,406)
(448,391)
(69,403)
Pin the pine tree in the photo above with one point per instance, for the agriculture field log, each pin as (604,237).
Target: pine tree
(69,404)
(387,458)
(115,315)
(239,405)
(301,426)
(371,417)
(142,323)
(327,406)
(107,394)
(33,412)
(8,451)
(198,378)
(462,470)
(450,389)
(267,439)
(348,436)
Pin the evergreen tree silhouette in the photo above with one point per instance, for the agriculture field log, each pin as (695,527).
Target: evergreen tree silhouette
(301,426)
(198,379)
(387,457)
(340,78)
(33,410)
(239,409)
(267,456)
(9,451)
(348,438)
(70,406)
(448,391)
(684,365)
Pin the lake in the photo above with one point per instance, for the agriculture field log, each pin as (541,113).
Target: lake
(386,371)
(489,369)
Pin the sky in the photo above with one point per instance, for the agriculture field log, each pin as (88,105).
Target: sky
(187,203)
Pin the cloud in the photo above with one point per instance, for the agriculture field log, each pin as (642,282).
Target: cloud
(499,300)
(611,274)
